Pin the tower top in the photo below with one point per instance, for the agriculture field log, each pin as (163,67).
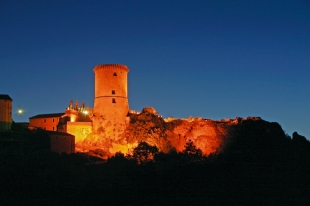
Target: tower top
(111,66)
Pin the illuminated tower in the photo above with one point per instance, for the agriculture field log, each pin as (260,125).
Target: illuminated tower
(5,112)
(111,102)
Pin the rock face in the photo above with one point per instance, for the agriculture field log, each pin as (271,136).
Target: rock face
(171,134)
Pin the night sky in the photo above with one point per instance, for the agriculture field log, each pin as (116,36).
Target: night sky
(214,59)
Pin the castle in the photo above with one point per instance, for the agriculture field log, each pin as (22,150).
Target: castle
(108,118)
(110,126)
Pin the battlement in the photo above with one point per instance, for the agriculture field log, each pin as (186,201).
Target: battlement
(111,66)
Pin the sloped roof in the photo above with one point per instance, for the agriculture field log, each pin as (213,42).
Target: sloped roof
(5,97)
(47,115)
(58,133)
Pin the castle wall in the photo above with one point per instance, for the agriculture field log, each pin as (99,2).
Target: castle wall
(79,129)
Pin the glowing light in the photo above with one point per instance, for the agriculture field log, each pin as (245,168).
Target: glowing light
(85,112)
(20,111)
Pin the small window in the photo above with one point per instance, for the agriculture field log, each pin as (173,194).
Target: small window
(113,91)
(53,128)
(53,120)
(113,100)
(44,120)
(115,74)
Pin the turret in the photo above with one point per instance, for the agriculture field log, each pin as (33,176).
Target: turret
(111,101)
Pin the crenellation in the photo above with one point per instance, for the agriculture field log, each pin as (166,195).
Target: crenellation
(111,66)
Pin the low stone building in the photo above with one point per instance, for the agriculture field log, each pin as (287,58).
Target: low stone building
(61,142)
(45,121)
(5,112)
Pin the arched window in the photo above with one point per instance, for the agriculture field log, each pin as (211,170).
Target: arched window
(113,91)
(113,100)
(115,74)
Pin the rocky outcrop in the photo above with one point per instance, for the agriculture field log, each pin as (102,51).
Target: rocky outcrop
(171,134)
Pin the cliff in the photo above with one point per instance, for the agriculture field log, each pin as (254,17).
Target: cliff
(172,134)
(210,136)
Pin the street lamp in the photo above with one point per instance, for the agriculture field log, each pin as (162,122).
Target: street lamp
(85,112)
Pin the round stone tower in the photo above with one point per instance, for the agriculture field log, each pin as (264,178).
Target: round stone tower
(111,102)
(111,91)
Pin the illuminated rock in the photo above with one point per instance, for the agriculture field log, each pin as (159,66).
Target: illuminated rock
(79,129)
(207,135)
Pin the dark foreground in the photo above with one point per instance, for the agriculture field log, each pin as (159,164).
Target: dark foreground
(253,170)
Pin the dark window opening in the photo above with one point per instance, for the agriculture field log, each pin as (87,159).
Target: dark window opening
(113,100)
(113,91)
(115,74)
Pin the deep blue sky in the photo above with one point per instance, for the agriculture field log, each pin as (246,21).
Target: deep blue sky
(210,58)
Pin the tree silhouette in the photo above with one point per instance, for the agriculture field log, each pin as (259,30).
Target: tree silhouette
(191,153)
(299,138)
(144,153)
(118,158)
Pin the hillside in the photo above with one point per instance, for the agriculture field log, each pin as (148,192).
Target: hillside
(259,165)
